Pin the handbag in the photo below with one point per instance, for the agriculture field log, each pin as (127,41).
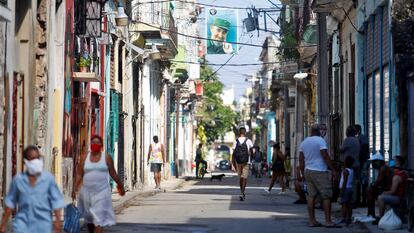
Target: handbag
(72,219)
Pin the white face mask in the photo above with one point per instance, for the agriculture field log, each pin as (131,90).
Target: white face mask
(34,167)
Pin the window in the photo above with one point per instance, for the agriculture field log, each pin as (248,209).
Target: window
(370,109)
(88,17)
(3,2)
(387,119)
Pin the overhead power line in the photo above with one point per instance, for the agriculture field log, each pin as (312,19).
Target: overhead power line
(226,64)
(204,38)
(205,4)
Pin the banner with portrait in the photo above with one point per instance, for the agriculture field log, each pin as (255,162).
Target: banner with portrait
(221,31)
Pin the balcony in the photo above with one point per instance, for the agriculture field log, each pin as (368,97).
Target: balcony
(5,13)
(308,46)
(289,67)
(157,26)
(328,5)
(289,2)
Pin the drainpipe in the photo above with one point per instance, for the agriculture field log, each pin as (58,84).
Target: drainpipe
(390,82)
(410,119)
(177,125)
(373,86)
(381,89)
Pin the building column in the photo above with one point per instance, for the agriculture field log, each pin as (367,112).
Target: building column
(323,82)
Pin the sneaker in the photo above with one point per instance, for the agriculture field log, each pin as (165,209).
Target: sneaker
(242,197)
(267,190)
(281,192)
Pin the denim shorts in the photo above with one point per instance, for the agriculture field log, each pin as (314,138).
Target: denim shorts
(346,196)
(390,199)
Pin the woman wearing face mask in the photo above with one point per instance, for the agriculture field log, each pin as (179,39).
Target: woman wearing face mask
(35,196)
(95,199)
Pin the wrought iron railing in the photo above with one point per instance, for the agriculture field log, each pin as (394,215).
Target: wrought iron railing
(172,29)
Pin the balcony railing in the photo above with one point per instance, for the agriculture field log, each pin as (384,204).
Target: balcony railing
(172,29)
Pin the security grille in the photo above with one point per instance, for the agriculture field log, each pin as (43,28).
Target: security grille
(88,17)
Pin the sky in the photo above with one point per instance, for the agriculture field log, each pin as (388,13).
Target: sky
(236,76)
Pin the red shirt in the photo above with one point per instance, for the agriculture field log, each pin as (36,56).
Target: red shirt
(401,187)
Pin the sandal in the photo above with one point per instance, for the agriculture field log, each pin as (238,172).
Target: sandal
(316,225)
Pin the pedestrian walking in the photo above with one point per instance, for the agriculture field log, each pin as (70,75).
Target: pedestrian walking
(314,162)
(351,147)
(156,158)
(95,196)
(240,159)
(34,196)
(288,167)
(346,187)
(363,165)
(199,159)
(257,162)
(278,169)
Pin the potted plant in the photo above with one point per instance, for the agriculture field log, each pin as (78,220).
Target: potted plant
(84,63)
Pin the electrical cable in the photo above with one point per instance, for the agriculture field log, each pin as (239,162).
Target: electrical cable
(204,4)
(204,38)
(353,25)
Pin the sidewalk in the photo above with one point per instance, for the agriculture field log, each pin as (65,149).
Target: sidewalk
(121,203)
(374,228)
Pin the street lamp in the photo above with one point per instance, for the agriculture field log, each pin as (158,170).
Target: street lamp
(300,76)
(121,18)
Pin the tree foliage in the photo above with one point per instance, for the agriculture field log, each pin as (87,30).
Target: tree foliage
(217,119)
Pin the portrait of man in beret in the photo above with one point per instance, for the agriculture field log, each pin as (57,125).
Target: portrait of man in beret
(217,42)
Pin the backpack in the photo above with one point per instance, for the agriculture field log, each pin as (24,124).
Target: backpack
(241,152)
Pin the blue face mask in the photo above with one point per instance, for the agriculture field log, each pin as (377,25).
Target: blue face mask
(392,163)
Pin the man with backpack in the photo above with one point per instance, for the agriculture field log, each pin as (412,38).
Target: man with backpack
(241,158)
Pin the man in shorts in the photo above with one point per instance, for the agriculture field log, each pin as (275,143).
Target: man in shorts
(156,157)
(241,159)
(314,162)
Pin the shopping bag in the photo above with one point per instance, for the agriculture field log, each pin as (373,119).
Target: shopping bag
(390,221)
(72,219)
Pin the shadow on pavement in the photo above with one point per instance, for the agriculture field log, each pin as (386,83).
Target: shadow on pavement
(230,225)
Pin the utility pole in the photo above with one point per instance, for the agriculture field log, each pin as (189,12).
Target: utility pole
(177,126)
(323,81)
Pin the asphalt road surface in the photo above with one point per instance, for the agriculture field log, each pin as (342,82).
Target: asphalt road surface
(202,206)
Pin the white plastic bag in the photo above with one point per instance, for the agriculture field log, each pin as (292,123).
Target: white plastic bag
(390,221)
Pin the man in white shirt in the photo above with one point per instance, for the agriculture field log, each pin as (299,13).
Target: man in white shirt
(240,160)
(314,161)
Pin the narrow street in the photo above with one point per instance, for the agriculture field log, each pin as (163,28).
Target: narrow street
(205,206)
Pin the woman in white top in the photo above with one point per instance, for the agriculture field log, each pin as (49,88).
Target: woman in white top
(95,198)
